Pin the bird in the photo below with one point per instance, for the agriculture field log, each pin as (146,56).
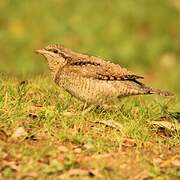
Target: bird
(92,79)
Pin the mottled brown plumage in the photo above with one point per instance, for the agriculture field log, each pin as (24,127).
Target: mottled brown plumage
(93,79)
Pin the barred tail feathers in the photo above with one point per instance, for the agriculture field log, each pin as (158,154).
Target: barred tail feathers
(160,92)
(150,90)
(143,89)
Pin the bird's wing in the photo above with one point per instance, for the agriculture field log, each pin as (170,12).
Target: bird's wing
(96,68)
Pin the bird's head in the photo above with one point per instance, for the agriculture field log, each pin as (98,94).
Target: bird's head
(56,56)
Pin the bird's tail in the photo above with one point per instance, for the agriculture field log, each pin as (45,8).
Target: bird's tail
(137,88)
(159,92)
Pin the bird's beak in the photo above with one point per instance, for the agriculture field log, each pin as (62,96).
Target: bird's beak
(45,53)
(41,51)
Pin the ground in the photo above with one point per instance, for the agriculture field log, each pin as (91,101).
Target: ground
(45,135)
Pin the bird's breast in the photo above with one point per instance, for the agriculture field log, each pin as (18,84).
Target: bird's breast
(87,89)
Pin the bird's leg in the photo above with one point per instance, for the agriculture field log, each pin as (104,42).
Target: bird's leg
(87,108)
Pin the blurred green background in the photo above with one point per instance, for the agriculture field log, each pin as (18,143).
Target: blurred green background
(138,34)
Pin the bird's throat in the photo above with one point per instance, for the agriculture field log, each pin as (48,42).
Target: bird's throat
(54,68)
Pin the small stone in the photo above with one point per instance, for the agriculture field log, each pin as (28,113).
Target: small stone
(19,132)
(77,150)
(157,161)
(176,163)
(89,146)
(63,149)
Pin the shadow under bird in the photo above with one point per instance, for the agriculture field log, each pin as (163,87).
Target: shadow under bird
(93,79)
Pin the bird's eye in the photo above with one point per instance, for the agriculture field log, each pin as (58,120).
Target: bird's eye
(55,51)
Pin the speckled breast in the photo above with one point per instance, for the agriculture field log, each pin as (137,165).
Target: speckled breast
(87,89)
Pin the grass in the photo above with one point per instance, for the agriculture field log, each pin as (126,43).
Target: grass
(62,142)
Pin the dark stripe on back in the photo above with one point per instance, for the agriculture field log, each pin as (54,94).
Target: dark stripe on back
(81,63)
